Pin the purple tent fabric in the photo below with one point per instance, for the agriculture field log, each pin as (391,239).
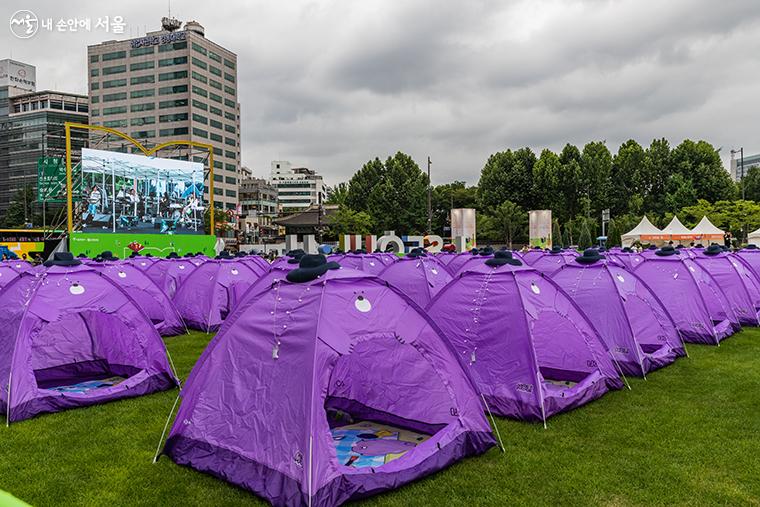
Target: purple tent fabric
(692,297)
(446,257)
(152,300)
(740,286)
(258,263)
(420,278)
(532,352)
(474,261)
(211,291)
(750,257)
(531,255)
(457,262)
(264,405)
(70,325)
(547,262)
(372,264)
(141,262)
(169,274)
(10,270)
(639,332)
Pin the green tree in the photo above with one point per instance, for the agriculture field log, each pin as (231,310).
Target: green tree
(221,221)
(362,183)
(556,233)
(680,192)
(348,221)
(337,194)
(700,163)
(399,201)
(20,211)
(596,167)
(752,184)
(547,190)
(628,178)
(506,176)
(584,239)
(570,181)
(509,221)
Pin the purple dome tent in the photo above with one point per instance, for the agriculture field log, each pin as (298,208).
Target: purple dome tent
(549,262)
(211,291)
(458,261)
(142,262)
(152,300)
(324,391)
(534,253)
(372,264)
(750,257)
(418,276)
(531,351)
(484,254)
(170,273)
(740,286)
(10,270)
(692,297)
(70,337)
(638,331)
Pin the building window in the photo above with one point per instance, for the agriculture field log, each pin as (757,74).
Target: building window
(168,90)
(229,103)
(179,131)
(148,106)
(142,80)
(230,142)
(95,86)
(200,91)
(216,124)
(177,60)
(95,112)
(114,83)
(218,165)
(200,133)
(200,119)
(112,110)
(215,110)
(230,167)
(140,94)
(216,137)
(167,118)
(218,191)
(141,51)
(230,154)
(200,77)
(142,65)
(144,134)
(145,120)
(113,97)
(215,70)
(230,193)
(94,58)
(229,90)
(200,49)
(230,180)
(168,76)
(199,105)
(216,98)
(116,55)
(115,124)
(215,56)
(229,64)
(172,47)
(219,178)
(116,69)
(93,100)
(215,84)
(229,77)
(199,63)
(94,72)
(165,104)
(230,129)
(231,116)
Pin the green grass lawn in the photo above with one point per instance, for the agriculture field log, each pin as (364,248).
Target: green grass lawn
(690,434)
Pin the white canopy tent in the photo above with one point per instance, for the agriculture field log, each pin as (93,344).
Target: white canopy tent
(677,232)
(706,232)
(645,232)
(754,237)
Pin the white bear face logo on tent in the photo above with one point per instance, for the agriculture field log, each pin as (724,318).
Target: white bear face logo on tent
(76,289)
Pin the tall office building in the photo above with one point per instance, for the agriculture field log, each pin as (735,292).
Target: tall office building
(32,126)
(297,187)
(173,84)
(258,203)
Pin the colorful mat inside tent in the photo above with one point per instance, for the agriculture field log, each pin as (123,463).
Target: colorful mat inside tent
(371,444)
(89,385)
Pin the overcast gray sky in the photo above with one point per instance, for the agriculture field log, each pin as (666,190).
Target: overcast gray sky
(330,85)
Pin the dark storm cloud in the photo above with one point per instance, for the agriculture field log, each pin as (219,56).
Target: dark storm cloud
(333,84)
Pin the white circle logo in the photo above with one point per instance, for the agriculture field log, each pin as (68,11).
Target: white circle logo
(620,278)
(362,304)
(122,274)
(181,266)
(234,271)
(24,24)
(76,289)
(535,288)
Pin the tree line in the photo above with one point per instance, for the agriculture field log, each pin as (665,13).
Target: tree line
(576,184)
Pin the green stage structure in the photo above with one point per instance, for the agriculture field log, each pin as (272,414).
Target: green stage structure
(158,245)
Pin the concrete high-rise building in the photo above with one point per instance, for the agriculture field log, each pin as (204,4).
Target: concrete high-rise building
(258,204)
(297,187)
(735,168)
(32,126)
(172,85)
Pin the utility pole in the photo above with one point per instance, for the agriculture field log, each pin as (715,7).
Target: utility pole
(429,201)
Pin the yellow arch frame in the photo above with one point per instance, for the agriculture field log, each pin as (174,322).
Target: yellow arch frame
(147,152)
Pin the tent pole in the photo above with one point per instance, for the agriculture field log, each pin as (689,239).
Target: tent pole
(311,447)
(493,421)
(8,408)
(158,449)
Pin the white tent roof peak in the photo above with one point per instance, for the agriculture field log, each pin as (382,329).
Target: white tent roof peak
(644,228)
(676,227)
(705,227)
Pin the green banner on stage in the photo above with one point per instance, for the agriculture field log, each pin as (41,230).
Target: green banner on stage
(158,245)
